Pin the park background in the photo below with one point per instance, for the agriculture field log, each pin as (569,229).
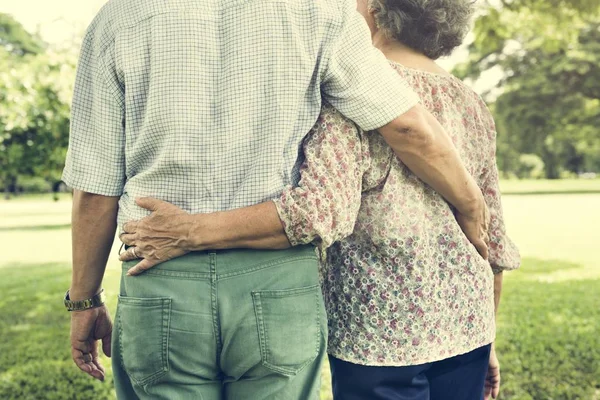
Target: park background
(536,63)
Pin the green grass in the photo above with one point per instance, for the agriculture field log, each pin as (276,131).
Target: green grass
(35,361)
(548,340)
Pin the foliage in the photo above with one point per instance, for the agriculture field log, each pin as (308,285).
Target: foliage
(34,184)
(16,40)
(35,93)
(549,102)
(530,167)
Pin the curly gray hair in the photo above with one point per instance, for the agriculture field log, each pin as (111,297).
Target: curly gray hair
(432,27)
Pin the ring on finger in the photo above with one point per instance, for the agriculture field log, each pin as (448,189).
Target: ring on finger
(133,252)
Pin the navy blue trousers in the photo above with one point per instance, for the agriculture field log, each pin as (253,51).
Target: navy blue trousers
(456,378)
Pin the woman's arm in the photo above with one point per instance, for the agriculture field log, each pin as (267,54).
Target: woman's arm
(503,254)
(321,209)
(498,278)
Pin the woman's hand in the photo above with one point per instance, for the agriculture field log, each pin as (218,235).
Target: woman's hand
(161,236)
(492,380)
(475,226)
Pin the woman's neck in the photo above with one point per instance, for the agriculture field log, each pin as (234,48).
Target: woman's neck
(395,51)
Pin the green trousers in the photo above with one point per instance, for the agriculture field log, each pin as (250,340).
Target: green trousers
(235,325)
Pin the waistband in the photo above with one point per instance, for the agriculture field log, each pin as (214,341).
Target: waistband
(200,264)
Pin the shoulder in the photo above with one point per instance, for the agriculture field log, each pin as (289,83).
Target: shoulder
(115,16)
(485,115)
(102,30)
(476,106)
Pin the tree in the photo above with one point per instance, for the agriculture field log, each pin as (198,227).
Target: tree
(35,92)
(16,40)
(550,99)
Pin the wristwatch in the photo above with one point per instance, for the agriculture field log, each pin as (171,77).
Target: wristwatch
(81,305)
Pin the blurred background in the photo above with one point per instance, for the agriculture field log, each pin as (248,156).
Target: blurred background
(536,63)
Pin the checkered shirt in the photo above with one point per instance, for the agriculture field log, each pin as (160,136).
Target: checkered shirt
(204,104)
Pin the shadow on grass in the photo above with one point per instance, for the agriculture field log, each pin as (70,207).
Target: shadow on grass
(35,228)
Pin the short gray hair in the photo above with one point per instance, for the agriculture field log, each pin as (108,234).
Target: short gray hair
(432,27)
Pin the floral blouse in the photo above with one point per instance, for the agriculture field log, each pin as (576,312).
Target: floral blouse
(405,287)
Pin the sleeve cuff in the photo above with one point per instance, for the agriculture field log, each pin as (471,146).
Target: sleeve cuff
(287,221)
(92,185)
(395,107)
(504,256)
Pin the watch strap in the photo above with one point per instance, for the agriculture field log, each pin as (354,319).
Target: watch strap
(81,305)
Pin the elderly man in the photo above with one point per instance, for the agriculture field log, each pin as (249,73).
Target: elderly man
(205,105)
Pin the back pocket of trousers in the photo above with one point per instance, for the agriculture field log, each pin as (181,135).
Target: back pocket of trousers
(289,327)
(144,337)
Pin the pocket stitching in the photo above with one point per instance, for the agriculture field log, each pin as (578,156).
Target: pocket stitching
(165,304)
(262,332)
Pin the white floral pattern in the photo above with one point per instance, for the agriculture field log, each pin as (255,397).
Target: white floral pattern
(406,287)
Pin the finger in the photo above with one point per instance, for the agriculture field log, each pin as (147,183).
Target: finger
(79,348)
(96,365)
(130,254)
(485,237)
(128,238)
(149,203)
(129,227)
(482,248)
(142,266)
(79,360)
(106,344)
(96,369)
(99,372)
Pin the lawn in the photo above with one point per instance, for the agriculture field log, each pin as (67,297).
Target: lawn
(548,339)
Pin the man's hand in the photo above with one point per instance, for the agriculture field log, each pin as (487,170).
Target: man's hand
(475,226)
(87,327)
(492,380)
(161,236)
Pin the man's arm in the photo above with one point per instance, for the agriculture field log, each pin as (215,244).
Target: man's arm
(94,222)
(321,209)
(425,148)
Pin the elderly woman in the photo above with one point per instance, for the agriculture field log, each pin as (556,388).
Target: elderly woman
(410,301)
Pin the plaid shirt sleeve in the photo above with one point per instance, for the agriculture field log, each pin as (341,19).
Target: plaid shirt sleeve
(359,81)
(96,156)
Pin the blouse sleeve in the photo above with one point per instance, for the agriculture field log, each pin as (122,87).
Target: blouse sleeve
(503,253)
(324,206)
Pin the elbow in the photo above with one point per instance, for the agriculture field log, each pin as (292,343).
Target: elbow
(413,131)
